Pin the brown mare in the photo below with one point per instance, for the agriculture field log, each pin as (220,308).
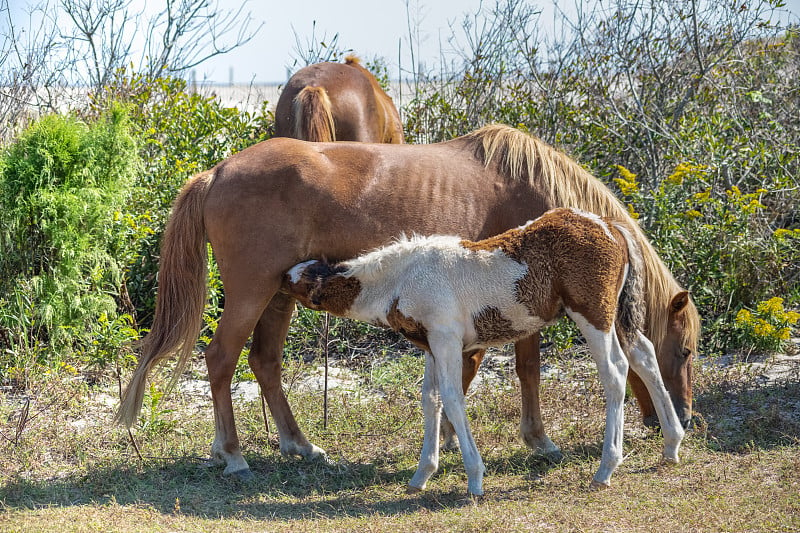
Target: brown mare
(281,201)
(448,295)
(337,102)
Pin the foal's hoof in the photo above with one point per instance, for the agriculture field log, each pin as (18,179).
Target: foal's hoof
(599,485)
(411,489)
(669,460)
(245,475)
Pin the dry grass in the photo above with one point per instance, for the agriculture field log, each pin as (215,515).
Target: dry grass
(66,468)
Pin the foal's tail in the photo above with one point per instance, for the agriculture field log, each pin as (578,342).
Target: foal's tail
(631,306)
(313,119)
(181,293)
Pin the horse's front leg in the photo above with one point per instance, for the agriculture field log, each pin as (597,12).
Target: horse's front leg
(531,427)
(470,363)
(429,456)
(266,356)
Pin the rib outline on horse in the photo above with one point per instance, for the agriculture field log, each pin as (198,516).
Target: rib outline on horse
(451,296)
(281,201)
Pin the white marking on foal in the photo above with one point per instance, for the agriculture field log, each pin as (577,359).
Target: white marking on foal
(597,219)
(296,272)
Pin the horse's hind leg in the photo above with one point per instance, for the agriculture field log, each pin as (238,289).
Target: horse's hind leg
(221,356)
(266,356)
(643,361)
(531,427)
(470,362)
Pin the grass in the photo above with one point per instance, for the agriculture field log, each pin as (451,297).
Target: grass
(67,468)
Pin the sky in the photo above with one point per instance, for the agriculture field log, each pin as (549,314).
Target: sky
(369,27)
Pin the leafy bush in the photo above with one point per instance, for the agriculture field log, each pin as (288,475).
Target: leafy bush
(62,186)
(181,133)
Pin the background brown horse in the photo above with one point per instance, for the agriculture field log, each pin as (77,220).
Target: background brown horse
(337,102)
(274,204)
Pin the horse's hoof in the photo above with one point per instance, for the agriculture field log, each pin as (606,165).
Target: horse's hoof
(554,456)
(322,459)
(245,475)
(669,460)
(599,485)
(411,489)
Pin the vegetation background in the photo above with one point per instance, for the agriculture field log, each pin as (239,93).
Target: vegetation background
(690,111)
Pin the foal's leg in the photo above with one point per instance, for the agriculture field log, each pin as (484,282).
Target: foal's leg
(429,456)
(643,361)
(266,355)
(470,363)
(612,367)
(531,428)
(446,349)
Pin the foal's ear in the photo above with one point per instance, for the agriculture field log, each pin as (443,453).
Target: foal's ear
(679,302)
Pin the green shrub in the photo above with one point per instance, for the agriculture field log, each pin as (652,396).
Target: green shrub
(62,186)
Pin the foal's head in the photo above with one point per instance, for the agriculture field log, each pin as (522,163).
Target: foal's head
(321,286)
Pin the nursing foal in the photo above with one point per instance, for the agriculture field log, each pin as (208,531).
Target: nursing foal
(449,295)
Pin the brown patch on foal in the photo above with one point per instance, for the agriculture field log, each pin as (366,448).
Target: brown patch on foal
(555,247)
(408,327)
(491,326)
(337,294)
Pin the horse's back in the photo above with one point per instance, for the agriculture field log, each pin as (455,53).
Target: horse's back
(338,199)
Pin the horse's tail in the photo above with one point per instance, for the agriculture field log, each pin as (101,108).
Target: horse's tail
(313,119)
(631,304)
(181,293)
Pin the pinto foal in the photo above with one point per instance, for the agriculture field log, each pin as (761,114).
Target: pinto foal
(449,295)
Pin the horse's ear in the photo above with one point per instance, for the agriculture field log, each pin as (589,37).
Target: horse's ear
(679,302)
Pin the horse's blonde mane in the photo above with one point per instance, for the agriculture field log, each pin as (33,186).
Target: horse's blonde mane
(521,156)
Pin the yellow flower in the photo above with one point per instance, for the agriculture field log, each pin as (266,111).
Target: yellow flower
(783,334)
(702,197)
(762,328)
(782,233)
(693,213)
(791,317)
(627,182)
(68,368)
(626,174)
(753,206)
(684,171)
(771,307)
(733,191)
(744,317)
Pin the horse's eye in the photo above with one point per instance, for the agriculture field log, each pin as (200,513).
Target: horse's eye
(687,352)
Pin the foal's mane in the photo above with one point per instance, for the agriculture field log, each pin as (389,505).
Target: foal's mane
(524,157)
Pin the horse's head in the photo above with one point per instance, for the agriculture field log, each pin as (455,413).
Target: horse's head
(675,353)
(321,286)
